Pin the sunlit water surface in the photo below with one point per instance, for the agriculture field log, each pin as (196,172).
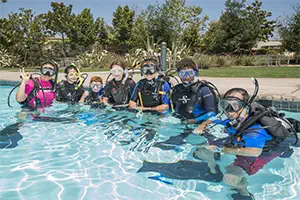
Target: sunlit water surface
(98,156)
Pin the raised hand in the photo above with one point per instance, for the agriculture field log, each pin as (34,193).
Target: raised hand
(24,75)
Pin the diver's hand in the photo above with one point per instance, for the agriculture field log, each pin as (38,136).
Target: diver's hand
(143,108)
(212,147)
(201,128)
(24,75)
(190,121)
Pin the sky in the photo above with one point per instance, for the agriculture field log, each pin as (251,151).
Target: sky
(105,8)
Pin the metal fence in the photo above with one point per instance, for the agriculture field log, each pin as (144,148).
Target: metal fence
(279,60)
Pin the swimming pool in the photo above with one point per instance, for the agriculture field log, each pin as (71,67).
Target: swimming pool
(98,156)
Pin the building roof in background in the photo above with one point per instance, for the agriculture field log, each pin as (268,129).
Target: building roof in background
(270,43)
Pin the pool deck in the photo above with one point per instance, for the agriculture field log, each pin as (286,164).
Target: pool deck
(279,89)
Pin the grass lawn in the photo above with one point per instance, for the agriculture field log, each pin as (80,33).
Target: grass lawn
(258,72)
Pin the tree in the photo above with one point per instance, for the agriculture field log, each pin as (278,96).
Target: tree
(240,28)
(192,34)
(261,27)
(60,21)
(173,21)
(101,31)
(139,32)
(122,26)
(289,30)
(84,32)
(208,42)
(24,34)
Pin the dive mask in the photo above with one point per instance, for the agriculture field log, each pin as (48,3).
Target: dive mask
(96,86)
(230,104)
(148,69)
(115,71)
(189,73)
(48,71)
(73,74)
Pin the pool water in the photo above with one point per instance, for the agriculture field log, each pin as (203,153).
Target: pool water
(96,153)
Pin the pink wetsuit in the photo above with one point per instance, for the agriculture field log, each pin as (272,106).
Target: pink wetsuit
(49,92)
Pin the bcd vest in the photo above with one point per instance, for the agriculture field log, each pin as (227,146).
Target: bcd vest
(151,94)
(120,92)
(34,92)
(92,97)
(185,98)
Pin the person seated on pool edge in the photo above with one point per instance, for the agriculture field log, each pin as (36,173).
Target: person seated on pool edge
(68,91)
(151,92)
(38,92)
(95,91)
(119,89)
(192,99)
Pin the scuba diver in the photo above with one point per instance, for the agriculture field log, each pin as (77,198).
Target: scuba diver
(33,94)
(193,100)
(118,90)
(95,91)
(38,92)
(71,89)
(151,92)
(257,135)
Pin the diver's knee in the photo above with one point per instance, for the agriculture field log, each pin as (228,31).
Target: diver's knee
(203,154)
(231,180)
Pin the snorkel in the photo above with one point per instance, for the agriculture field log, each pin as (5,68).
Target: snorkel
(256,85)
(56,75)
(9,95)
(81,78)
(126,76)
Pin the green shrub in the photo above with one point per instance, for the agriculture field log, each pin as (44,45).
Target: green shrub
(261,60)
(208,61)
(7,59)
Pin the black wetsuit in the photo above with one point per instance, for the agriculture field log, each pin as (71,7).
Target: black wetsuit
(66,92)
(93,97)
(117,93)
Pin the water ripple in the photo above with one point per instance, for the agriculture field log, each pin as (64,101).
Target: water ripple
(97,157)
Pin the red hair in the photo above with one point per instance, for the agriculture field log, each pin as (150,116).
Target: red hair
(96,79)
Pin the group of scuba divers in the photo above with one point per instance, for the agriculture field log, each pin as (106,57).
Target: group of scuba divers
(256,134)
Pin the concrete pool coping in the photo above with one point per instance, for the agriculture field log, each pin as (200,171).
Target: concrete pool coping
(278,89)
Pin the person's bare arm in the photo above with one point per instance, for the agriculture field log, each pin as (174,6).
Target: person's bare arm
(132,104)
(159,108)
(201,127)
(105,100)
(85,94)
(162,107)
(253,152)
(21,95)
